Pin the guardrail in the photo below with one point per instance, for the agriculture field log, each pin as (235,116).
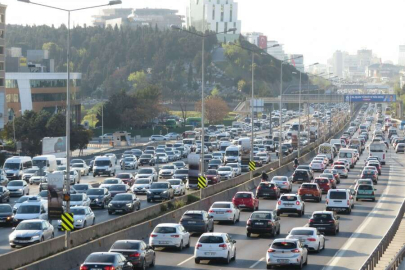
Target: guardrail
(375,256)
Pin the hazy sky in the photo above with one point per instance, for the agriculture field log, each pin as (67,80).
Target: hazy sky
(315,28)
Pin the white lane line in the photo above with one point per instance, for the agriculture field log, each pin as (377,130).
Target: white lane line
(256,263)
(183,262)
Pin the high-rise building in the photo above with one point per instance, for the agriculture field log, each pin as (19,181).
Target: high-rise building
(298,63)
(277,52)
(3,105)
(109,14)
(216,16)
(401,57)
(253,37)
(337,64)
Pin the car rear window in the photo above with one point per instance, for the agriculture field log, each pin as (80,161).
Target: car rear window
(193,216)
(243,196)
(302,232)
(284,245)
(301,172)
(164,230)
(261,216)
(337,195)
(321,180)
(221,205)
(321,216)
(211,239)
(308,186)
(339,167)
(365,187)
(288,198)
(100,258)
(126,245)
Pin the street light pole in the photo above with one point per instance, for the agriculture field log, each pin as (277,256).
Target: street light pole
(252,109)
(280,126)
(202,106)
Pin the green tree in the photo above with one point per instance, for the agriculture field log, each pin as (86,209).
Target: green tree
(138,79)
(80,137)
(56,125)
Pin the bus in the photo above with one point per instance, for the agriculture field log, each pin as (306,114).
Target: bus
(193,121)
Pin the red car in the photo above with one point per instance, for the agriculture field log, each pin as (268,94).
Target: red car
(212,177)
(245,199)
(127,178)
(323,183)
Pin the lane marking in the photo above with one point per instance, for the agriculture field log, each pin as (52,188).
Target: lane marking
(256,263)
(186,260)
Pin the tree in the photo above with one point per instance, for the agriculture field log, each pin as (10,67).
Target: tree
(138,80)
(56,125)
(216,109)
(80,138)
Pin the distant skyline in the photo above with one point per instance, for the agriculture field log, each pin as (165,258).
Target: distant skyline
(314,28)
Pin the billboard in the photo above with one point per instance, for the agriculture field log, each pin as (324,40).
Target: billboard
(193,170)
(55,195)
(54,146)
(370,98)
(262,42)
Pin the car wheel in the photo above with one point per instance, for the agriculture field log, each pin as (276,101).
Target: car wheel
(234,256)
(42,239)
(12,246)
(197,260)
(139,207)
(188,244)
(212,229)
(234,220)
(180,248)
(278,231)
(228,259)
(319,248)
(306,261)
(84,225)
(94,221)
(52,236)
(152,264)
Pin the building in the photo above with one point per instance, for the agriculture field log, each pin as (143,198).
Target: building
(253,37)
(162,18)
(3,105)
(382,71)
(401,56)
(297,63)
(216,16)
(36,61)
(337,64)
(277,52)
(109,14)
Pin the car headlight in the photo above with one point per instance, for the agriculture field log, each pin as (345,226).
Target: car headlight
(129,205)
(149,192)
(35,237)
(164,192)
(96,200)
(11,237)
(59,221)
(20,189)
(110,204)
(79,221)
(108,169)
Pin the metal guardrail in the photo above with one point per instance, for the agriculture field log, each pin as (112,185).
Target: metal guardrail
(396,262)
(375,256)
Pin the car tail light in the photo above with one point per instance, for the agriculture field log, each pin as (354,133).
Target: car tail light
(311,239)
(279,202)
(229,211)
(198,246)
(327,201)
(348,202)
(383,156)
(153,235)
(311,220)
(223,246)
(295,250)
(211,211)
(135,255)
(297,203)
(284,183)
(259,187)
(109,268)
(83,267)
(249,222)
(175,236)
(270,250)
(330,221)
(372,193)
(269,223)
(274,187)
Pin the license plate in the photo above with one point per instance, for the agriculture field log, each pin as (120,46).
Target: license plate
(2,221)
(220,213)
(321,228)
(163,242)
(156,196)
(300,178)
(242,205)
(209,253)
(21,241)
(119,211)
(259,223)
(266,194)
(192,222)
(283,261)
(309,195)
(96,269)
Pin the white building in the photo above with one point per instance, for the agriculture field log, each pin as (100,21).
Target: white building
(276,52)
(253,37)
(401,57)
(216,16)
(298,63)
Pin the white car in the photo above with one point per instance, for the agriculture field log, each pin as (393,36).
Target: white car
(179,188)
(130,163)
(30,232)
(36,179)
(82,167)
(309,237)
(224,211)
(317,165)
(167,171)
(322,159)
(157,138)
(237,169)
(162,158)
(110,181)
(226,172)
(172,136)
(341,169)
(79,199)
(290,203)
(113,158)
(18,188)
(286,252)
(83,216)
(147,173)
(74,176)
(141,185)
(264,157)
(215,246)
(282,182)
(169,235)
(346,162)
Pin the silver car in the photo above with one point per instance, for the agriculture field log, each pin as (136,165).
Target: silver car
(286,252)
(18,188)
(30,232)
(83,216)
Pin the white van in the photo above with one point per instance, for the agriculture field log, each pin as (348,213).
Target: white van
(61,161)
(378,149)
(47,161)
(340,200)
(14,167)
(233,154)
(104,166)
(328,150)
(223,146)
(337,143)
(31,210)
(348,154)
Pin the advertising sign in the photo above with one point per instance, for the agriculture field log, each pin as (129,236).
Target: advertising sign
(55,195)
(54,146)
(262,42)
(193,170)
(370,98)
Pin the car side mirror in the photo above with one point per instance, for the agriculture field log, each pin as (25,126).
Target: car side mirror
(13,228)
(375,189)
(306,246)
(338,217)
(234,241)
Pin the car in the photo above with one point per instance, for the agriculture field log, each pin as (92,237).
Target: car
(282,182)
(141,185)
(172,136)
(363,182)
(263,222)
(342,171)
(35,179)
(180,165)
(43,194)
(124,203)
(73,176)
(226,173)
(340,200)
(4,195)
(170,235)
(290,203)
(110,181)
(136,252)
(118,189)
(246,200)
(214,164)
(310,191)
(335,174)
(82,168)
(197,221)
(24,199)
(344,162)
(112,157)
(325,221)
(331,178)
(268,190)
(80,199)
(6,215)
(127,178)
(307,168)
(83,216)
(129,163)
(82,188)
(18,188)
(137,153)
(181,174)
(167,171)
(370,174)
(286,252)
(317,165)
(365,192)
(161,158)
(146,159)
(258,161)
(375,164)
(159,191)
(400,148)
(157,138)
(224,211)
(29,232)
(147,173)
(29,173)
(215,246)
(301,175)
(212,176)
(179,188)
(308,236)
(264,157)
(236,168)
(99,197)
(110,260)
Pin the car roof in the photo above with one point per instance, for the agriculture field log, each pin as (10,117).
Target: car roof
(284,240)
(304,228)
(213,234)
(194,211)
(32,221)
(322,212)
(167,225)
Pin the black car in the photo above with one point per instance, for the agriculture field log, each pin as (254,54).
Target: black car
(289,147)
(106,260)
(263,222)
(4,195)
(197,221)
(301,175)
(91,165)
(146,159)
(268,190)
(137,252)
(99,197)
(137,152)
(376,164)
(284,150)
(6,215)
(214,164)
(181,174)
(118,189)
(325,221)
(160,191)
(124,203)
(308,168)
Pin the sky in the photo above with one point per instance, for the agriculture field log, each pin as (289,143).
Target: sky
(314,28)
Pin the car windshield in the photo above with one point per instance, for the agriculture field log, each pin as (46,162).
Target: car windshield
(95,191)
(159,186)
(192,216)
(142,181)
(102,163)
(78,165)
(284,245)
(260,216)
(126,245)
(117,188)
(181,172)
(100,258)
(111,181)
(221,205)
(301,232)
(174,182)
(11,166)
(164,230)
(43,193)
(129,159)
(211,172)
(29,226)
(145,171)
(211,239)
(78,211)
(124,176)
(168,167)
(15,184)
(81,187)
(224,169)
(288,198)
(337,195)
(215,161)
(76,197)
(28,209)
(146,156)
(279,178)
(123,197)
(243,196)
(5,208)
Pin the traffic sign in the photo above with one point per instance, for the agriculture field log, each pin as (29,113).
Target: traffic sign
(67,222)
(252,166)
(202,182)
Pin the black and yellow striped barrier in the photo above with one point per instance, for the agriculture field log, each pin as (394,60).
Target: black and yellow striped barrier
(202,182)
(252,166)
(67,222)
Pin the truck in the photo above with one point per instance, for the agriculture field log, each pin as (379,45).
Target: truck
(378,149)
(245,149)
(45,162)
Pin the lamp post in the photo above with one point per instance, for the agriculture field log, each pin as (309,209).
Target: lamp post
(202,36)
(68,116)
